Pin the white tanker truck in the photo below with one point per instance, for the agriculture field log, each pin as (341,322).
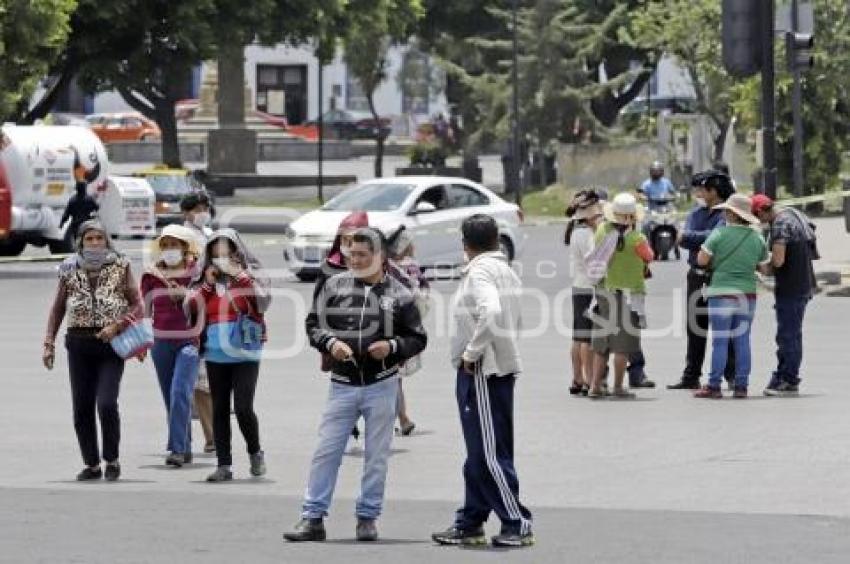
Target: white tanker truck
(37,180)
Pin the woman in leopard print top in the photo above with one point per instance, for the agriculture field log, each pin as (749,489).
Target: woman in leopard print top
(99,298)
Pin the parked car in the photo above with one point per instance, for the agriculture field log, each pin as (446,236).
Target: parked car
(169,186)
(185,110)
(432,208)
(349,124)
(123,127)
(64,118)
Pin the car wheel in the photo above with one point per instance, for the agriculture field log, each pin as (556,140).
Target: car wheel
(62,246)
(507,248)
(12,247)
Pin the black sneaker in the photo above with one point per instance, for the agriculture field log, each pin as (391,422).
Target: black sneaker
(460,537)
(221,474)
(643,383)
(175,460)
(307,530)
(112,472)
(88,474)
(367,530)
(684,384)
(513,540)
(782,390)
(258,464)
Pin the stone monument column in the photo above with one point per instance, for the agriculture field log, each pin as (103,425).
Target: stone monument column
(232,147)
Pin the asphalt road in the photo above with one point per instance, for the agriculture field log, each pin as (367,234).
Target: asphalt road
(663,479)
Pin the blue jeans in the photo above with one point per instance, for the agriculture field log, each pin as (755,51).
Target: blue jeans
(731,320)
(789,338)
(177,370)
(377,405)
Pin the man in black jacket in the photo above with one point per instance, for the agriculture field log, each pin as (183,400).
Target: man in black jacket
(369,323)
(81,207)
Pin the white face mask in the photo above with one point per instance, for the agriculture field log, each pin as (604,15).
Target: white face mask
(201,220)
(172,257)
(222,263)
(700,202)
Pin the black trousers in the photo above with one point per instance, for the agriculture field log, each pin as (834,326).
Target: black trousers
(486,408)
(238,381)
(95,371)
(697,331)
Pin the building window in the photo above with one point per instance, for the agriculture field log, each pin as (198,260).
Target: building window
(355,97)
(415,82)
(282,91)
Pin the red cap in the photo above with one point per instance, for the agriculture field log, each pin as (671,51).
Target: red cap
(761,203)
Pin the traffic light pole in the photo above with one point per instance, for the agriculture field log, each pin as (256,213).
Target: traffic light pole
(768,99)
(797,108)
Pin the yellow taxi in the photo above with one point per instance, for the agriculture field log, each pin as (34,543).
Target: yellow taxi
(170,185)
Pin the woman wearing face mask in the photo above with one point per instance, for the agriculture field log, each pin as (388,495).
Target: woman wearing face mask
(99,298)
(585,215)
(196,208)
(231,287)
(175,348)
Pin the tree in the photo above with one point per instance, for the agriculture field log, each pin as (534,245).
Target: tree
(689,30)
(32,35)
(826,102)
(473,41)
(372,26)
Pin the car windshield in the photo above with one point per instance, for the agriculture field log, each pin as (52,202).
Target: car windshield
(371,197)
(169,185)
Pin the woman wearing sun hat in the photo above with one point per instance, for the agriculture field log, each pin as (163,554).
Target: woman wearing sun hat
(732,255)
(585,213)
(620,295)
(175,350)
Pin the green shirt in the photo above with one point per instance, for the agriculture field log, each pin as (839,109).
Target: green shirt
(736,251)
(626,268)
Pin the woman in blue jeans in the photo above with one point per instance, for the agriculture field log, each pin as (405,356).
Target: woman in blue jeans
(175,350)
(733,254)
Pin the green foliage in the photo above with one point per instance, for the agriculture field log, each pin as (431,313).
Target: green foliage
(826,102)
(371,27)
(428,153)
(32,34)
(689,30)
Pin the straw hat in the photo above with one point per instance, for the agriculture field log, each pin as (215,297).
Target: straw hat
(740,205)
(588,212)
(180,233)
(623,204)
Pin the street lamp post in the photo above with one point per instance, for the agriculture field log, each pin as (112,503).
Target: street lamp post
(515,156)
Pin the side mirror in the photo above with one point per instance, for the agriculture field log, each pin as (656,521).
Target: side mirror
(424,207)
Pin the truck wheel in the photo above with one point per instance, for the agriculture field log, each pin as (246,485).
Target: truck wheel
(61,246)
(12,247)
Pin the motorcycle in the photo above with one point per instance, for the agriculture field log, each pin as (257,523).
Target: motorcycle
(661,228)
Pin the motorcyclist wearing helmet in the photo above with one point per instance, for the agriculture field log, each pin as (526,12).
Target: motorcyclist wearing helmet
(657,188)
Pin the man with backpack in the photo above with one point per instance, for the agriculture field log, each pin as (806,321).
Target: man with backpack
(793,247)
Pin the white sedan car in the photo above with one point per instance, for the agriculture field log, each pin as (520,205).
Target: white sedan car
(430,207)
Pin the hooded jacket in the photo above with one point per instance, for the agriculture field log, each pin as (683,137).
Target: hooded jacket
(349,310)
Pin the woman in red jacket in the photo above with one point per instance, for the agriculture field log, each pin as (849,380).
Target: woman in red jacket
(229,303)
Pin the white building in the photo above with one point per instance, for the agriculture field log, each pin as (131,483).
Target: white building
(284,81)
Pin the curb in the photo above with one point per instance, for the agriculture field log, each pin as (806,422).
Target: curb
(23,260)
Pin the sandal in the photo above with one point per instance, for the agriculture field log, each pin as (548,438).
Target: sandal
(624,394)
(576,389)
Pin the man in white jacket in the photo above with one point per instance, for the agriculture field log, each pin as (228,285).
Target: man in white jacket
(486,356)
